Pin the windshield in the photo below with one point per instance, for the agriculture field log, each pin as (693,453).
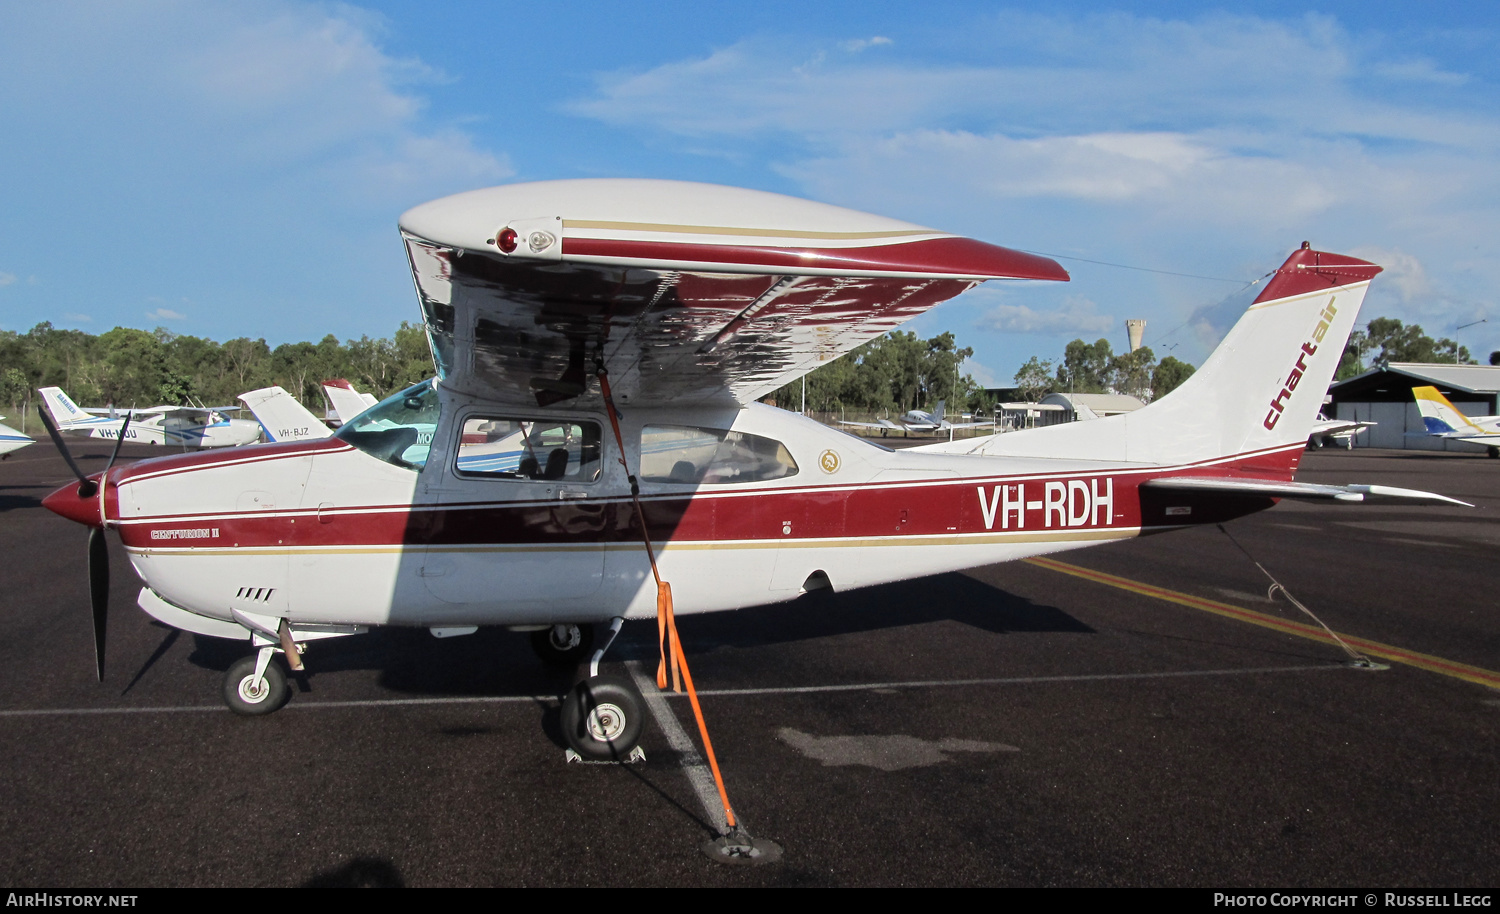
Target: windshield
(398,429)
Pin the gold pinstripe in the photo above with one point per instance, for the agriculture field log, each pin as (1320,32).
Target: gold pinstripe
(668,228)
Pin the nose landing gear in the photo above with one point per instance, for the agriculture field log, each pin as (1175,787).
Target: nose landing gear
(564,644)
(254,685)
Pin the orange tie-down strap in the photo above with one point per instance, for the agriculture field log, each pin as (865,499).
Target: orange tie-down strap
(667,641)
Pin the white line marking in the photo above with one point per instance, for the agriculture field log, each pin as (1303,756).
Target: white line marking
(693,763)
(652,692)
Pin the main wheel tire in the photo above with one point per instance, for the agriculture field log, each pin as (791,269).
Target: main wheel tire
(563,645)
(243,695)
(601,718)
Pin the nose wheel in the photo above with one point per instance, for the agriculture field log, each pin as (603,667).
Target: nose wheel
(563,645)
(252,689)
(601,719)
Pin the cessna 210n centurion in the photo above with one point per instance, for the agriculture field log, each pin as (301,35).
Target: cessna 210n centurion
(593,428)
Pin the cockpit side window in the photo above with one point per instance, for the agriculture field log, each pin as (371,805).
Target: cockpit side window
(502,447)
(686,455)
(398,429)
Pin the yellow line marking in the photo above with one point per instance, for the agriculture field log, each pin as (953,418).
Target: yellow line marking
(1431,664)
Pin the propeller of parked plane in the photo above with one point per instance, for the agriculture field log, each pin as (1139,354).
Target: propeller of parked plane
(98,562)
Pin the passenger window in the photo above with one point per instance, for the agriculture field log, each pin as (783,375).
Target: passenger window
(707,456)
(505,448)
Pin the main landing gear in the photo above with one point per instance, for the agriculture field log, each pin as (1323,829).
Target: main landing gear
(602,715)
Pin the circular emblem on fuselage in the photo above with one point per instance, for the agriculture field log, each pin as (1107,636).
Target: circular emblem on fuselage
(829,461)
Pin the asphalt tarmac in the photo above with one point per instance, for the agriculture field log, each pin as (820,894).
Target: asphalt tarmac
(1137,714)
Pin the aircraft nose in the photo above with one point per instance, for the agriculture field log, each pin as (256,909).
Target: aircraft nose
(75,507)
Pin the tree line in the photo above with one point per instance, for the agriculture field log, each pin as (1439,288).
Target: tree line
(126,366)
(1386,339)
(895,372)
(1093,368)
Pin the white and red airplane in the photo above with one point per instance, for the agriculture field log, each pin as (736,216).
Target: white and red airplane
(596,339)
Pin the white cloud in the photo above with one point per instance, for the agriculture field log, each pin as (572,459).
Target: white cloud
(1076,315)
(983,374)
(78,318)
(855,45)
(1422,71)
(164,314)
(7,278)
(1402,271)
(1048,76)
(1206,146)
(273,143)
(269,93)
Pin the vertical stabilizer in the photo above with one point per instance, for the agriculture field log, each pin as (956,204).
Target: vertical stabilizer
(1439,416)
(64,411)
(281,417)
(347,402)
(1256,395)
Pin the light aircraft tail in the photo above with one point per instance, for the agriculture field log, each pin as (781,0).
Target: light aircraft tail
(1256,396)
(347,402)
(1438,415)
(64,411)
(281,417)
(937,412)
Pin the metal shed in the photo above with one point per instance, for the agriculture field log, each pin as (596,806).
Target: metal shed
(1383,394)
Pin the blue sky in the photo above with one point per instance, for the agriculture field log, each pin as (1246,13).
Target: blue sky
(234,170)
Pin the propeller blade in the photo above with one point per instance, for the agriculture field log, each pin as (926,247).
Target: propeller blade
(86,489)
(99,592)
(116,452)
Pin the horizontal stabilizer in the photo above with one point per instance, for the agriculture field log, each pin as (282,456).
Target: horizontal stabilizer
(1272,489)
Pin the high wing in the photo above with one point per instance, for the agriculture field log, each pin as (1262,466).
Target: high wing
(690,294)
(1336,427)
(135,413)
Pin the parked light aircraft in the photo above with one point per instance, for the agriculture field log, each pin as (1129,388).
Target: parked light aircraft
(187,426)
(281,417)
(917,420)
(12,440)
(1443,420)
(618,333)
(347,402)
(1327,431)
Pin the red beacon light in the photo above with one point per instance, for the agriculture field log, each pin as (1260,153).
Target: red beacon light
(506,240)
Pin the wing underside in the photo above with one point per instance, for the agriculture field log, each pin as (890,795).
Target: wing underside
(679,314)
